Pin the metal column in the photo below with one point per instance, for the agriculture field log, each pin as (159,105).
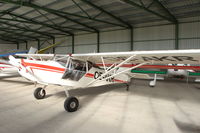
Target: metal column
(38,44)
(176,36)
(17,45)
(98,42)
(54,49)
(72,44)
(26,45)
(131,36)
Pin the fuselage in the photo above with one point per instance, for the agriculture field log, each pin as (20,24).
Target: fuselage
(75,75)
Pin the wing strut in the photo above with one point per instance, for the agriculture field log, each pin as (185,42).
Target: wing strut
(103,64)
(112,69)
(125,70)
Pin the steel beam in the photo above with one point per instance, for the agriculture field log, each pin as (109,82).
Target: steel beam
(30,30)
(58,12)
(77,22)
(81,8)
(148,10)
(40,23)
(54,41)
(18,34)
(98,42)
(26,45)
(73,44)
(7,40)
(131,36)
(9,37)
(177,36)
(17,45)
(8,10)
(38,45)
(108,13)
(167,11)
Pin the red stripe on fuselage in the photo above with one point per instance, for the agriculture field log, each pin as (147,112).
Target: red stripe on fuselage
(5,64)
(157,66)
(120,81)
(43,67)
(89,75)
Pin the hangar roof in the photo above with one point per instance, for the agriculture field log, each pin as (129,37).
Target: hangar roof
(24,20)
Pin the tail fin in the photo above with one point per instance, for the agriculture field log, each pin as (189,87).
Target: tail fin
(32,50)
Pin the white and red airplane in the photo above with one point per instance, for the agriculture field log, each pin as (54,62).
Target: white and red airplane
(81,70)
(7,69)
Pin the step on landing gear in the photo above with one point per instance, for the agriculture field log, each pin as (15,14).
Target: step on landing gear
(39,93)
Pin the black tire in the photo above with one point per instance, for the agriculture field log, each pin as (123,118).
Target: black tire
(71,104)
(39,93)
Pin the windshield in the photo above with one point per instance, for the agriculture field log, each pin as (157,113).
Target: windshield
(76,69)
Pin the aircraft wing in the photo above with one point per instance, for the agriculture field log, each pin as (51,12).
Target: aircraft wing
(153,57)
(38,56)
(6,55)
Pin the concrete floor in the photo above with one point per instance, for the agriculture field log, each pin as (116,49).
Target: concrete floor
(170,107)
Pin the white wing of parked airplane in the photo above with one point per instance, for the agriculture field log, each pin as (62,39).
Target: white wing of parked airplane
(153,57)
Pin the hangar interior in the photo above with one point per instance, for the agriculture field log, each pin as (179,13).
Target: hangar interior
(94,26)
(88,26)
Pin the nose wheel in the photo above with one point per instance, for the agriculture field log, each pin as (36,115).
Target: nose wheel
(39,93)
(71,104)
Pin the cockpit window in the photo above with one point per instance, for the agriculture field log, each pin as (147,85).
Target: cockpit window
(62,62)
(76,69)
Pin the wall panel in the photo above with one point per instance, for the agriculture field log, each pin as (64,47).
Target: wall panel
(154,45)
(85,48)
(189,36)
(63,50)
(154,33)
(146,38)
(4,48)
(115,47)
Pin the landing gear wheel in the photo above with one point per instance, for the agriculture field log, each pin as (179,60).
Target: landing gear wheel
(71,104)
(39,93)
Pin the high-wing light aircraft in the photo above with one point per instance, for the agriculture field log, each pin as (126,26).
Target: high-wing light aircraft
(6,69)
(82,70)
(172,71)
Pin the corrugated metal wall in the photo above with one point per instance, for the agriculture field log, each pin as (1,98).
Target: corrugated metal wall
(7,47)
(85,43)
(65,47)
(154,38)
(115,41)
(146,38)
(189,36)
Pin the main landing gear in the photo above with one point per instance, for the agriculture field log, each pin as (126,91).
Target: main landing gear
(71,104)
(39,93)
